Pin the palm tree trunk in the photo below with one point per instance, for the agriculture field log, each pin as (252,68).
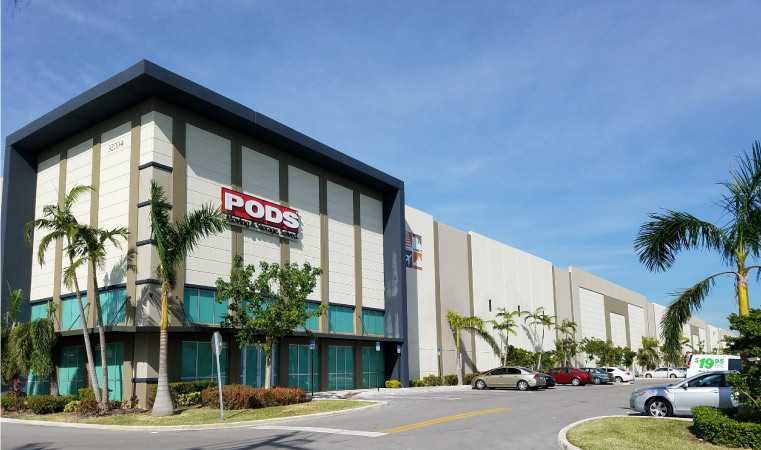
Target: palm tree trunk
(103,349)
(541,351)
(742,293)
(458,361)
(163,406)
(86,335)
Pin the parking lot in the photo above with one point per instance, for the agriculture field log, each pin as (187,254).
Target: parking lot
(420,418)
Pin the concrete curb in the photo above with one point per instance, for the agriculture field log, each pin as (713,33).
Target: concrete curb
(562,440)
(210,426)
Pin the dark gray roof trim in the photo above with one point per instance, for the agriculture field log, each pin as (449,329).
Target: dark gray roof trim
(146,79)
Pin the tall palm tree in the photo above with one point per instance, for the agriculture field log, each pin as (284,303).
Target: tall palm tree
(473,324)
(536,319)
(659,240)
(61,224)
(174,240)
(568,328)
(90,245)
(506,326)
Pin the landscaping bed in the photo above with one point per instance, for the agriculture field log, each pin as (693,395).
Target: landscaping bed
(197,415)
(633,433)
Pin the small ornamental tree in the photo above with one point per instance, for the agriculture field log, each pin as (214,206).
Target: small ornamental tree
(747,383)
(273,304)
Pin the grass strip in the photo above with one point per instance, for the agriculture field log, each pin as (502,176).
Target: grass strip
(634,433)
(200,416)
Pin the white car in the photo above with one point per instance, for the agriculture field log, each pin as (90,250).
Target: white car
(666,372)
(619,374)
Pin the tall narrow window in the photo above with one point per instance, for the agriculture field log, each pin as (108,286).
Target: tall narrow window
(70,313)
(300,367)
(372,368)
(200,363)
(341,319)
(372,321)
(340,367)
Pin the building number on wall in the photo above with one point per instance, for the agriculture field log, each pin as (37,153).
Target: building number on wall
(116,145)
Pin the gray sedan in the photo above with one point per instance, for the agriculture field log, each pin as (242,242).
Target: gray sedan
(705,389)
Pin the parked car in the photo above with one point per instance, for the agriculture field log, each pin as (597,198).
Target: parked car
(619,374)
(705,389)
(711,363)
(518,377)
(570,375)
(598,375)
(665,372)
(550,381)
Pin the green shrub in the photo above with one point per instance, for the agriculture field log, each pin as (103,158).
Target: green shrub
(468,378)
(191,398)
(238,396)
(278,396)
(234,396)
(11,402)
(72,406)
(451,380)
(181,388)
(88,405)
(713,425)
(417,383)
(393,384)
(432,380)
(86,393)
(47,404)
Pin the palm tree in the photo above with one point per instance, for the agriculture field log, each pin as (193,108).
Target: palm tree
(473,324)
(90,245)
(507,325)
(648,353)
(62,224)
(659,240)
(174,240)
(535,319)
(568,328)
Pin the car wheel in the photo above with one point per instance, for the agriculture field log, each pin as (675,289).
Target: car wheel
(522,385)
(596,380)
(619,379)
(672,376)
(480,385)
(575,381)
(647,375)
(658,407)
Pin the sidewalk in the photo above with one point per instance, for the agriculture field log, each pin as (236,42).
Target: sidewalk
(356,394)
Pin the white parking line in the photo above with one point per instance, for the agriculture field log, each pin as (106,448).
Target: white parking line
(320,430)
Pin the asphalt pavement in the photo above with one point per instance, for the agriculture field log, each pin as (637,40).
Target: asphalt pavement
(420,418)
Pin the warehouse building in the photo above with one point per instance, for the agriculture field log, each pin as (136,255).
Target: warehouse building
(322,207)
(390,272)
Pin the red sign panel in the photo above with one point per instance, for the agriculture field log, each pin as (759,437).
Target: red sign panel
(259,211)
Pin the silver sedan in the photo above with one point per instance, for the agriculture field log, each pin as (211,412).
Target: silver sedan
(705,389)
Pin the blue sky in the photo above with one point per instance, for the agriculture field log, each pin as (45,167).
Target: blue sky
(554,127)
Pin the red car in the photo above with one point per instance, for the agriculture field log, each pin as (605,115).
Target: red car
(572,375)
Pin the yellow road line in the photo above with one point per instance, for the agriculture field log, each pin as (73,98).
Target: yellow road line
(442,419)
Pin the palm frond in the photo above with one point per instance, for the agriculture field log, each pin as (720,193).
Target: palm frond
(74,194)
(659,240)
(681,308)
(489,339)
(197,225)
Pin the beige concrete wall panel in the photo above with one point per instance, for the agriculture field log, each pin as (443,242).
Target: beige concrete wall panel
(79,172)
(43,276)
(208,161)
(304,196)
(156,138)
(637,328)
(161,177)
(261,175)
(148,306)
(592,314)
(258,247)
(658,313)
(421,299)
(563,299)
(618,329)
(454,294)
(371,223)
(341,280)
(113,200)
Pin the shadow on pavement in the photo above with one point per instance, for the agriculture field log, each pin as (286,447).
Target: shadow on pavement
(287,442)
